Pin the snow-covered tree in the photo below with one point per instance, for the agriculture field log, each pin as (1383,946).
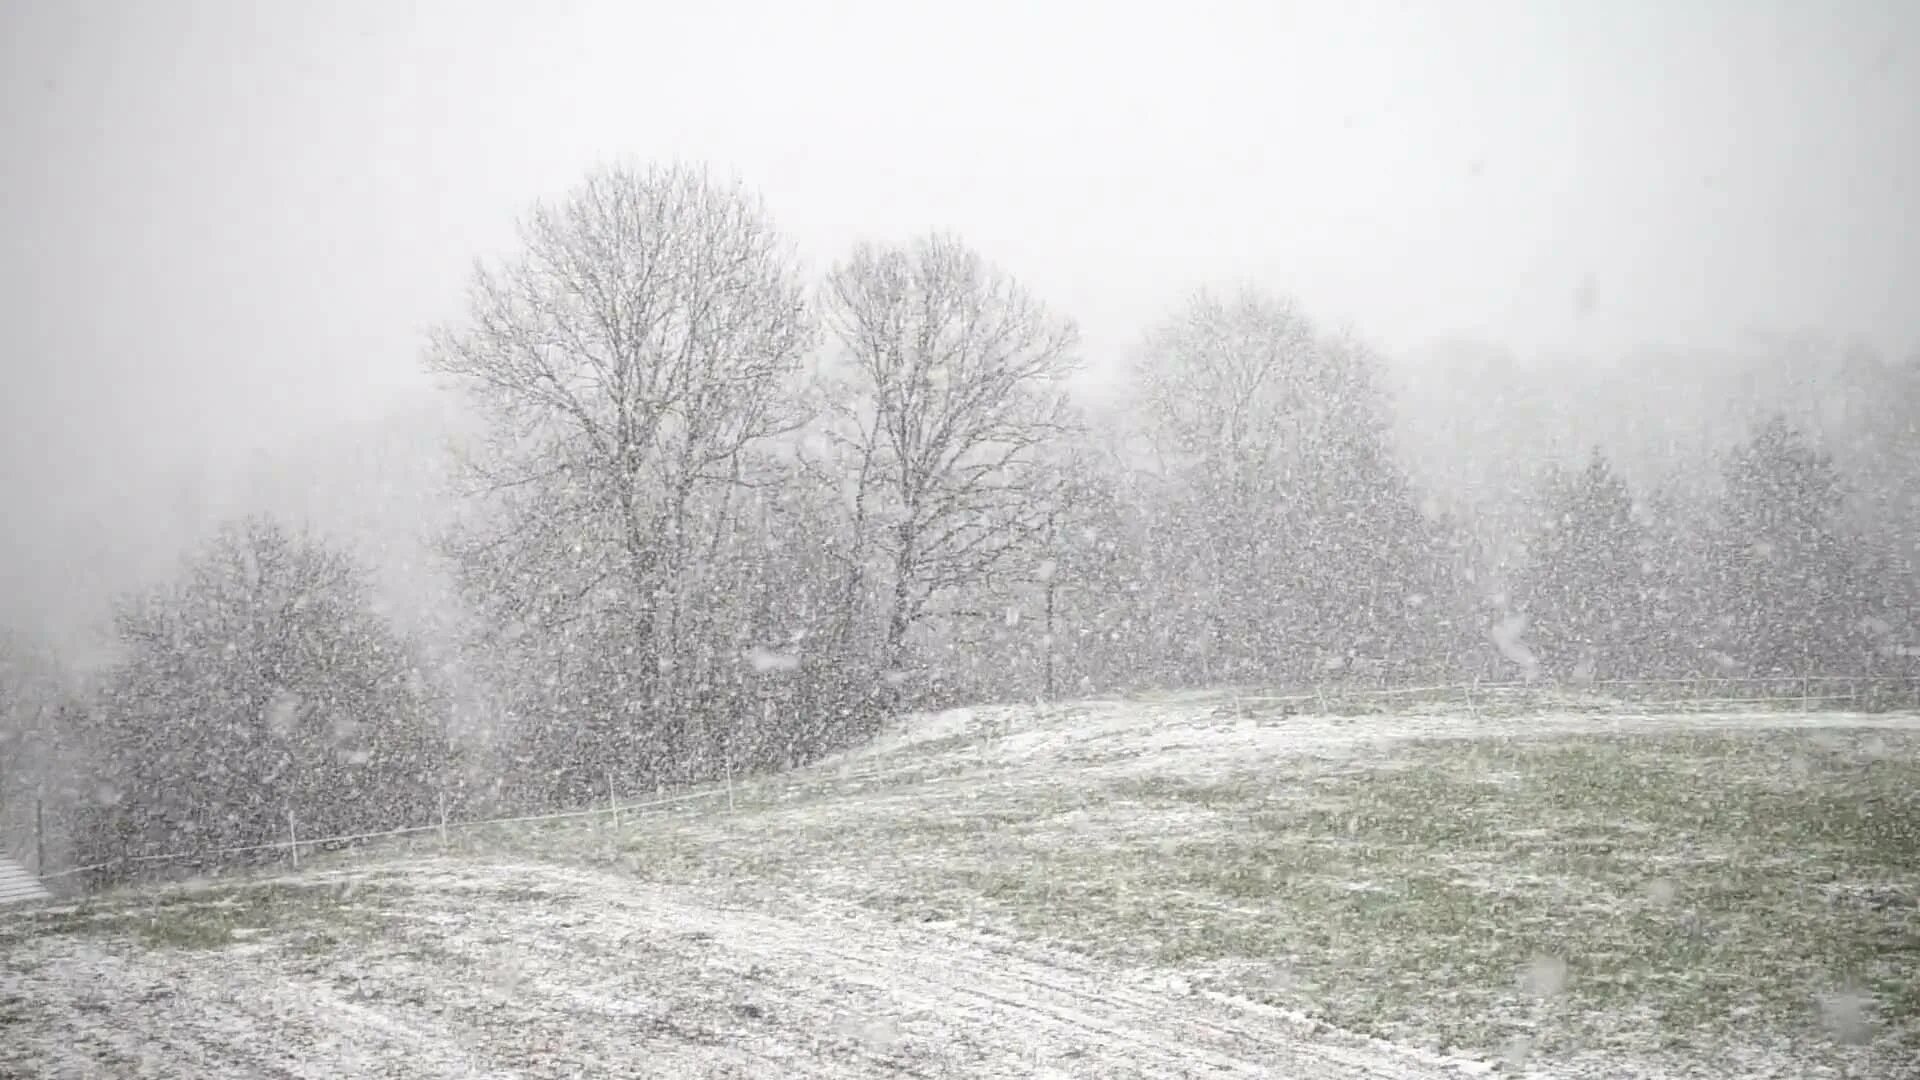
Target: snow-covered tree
(1054,623)
(1681,630)
(1875,413)
(634,362)
(953,380)
(1791,598)
(261,683)
(1287,541)
(1586,592)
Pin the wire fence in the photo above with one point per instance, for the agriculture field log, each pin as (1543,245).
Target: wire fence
(1779,693)
(1807,693)
(445,828)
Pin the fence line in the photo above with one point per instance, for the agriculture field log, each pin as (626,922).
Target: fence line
(1321,695)
(1858,684)
(316,842)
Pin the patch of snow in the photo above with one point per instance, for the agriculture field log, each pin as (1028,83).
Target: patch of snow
(473,979)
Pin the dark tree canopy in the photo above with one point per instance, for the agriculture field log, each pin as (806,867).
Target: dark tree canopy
(260,684)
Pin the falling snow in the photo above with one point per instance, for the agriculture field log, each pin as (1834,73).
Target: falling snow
(841,652)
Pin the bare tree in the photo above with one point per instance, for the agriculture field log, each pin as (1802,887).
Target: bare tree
(1239,385)
(1074,558)
(627,363)
(1287,518)
(953,376)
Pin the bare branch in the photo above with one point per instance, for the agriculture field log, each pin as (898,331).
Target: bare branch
(957,375)
(644,340)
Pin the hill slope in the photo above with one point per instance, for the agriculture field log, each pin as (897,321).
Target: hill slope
(1109,889)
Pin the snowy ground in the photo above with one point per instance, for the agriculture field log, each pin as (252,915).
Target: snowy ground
(1188,887)
(457,967)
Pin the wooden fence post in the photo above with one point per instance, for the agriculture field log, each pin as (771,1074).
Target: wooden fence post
(39,835)
(443,817)
(293,839)
(613,804)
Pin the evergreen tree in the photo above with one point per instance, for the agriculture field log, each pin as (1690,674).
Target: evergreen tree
(1791,598)
(1681,609)
(1585,591)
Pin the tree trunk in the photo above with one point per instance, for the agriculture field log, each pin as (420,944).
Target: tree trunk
(900,617)
(1046,643)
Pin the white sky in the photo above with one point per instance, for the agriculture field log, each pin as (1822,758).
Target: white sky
(229,224)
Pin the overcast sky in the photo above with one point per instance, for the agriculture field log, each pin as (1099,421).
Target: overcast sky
(229,224)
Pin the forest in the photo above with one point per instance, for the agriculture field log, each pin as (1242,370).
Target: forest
(722,514)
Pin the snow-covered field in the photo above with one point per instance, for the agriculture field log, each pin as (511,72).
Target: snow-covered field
(1186,887)
(460,967)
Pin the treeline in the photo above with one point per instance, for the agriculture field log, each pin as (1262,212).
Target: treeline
(727,517)
(1770,581)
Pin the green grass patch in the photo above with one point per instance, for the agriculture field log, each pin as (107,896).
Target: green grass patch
(310,919)
(1602,894)
(1716,883)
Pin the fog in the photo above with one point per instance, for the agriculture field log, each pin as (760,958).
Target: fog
(231,224)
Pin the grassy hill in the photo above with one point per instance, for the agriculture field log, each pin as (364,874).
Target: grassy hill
(1187,886)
